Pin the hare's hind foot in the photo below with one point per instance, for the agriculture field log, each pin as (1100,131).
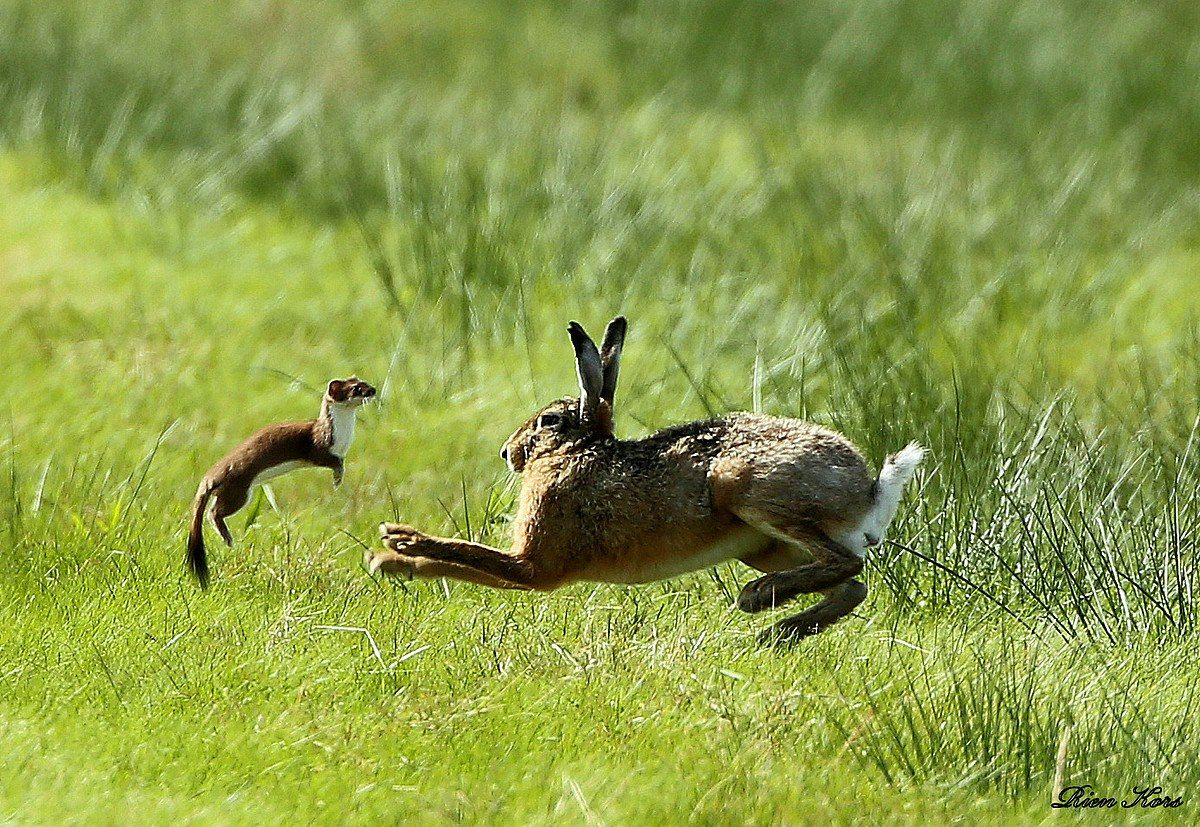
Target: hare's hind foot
(839,602)
(779,587)
(773,590)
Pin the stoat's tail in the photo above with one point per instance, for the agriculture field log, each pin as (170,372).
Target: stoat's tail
(897,470)
(197,560)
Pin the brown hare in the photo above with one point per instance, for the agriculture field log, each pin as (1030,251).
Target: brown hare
(791,499)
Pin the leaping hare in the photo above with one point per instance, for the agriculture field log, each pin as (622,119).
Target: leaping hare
(789,498)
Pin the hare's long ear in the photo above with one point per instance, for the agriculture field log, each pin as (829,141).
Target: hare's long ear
(610,357)
(587,365)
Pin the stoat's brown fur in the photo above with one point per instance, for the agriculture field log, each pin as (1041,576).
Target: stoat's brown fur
(271,452)
(790,498)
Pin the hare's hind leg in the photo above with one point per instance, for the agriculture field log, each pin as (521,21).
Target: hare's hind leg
(767,502)
(835,564)
(839,602)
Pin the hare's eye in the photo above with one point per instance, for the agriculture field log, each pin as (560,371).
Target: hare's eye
(548,421)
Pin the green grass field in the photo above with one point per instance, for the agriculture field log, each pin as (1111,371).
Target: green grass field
(975,224)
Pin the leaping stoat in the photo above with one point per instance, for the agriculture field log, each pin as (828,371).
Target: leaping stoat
(271,452)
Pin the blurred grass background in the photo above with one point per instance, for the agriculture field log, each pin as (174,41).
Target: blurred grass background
(968,223)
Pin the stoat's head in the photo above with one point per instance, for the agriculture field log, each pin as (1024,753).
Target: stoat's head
(349,393)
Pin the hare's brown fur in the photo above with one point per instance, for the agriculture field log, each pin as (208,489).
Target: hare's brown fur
(783,496)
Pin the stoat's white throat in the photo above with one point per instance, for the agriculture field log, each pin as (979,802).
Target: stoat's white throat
(342,419)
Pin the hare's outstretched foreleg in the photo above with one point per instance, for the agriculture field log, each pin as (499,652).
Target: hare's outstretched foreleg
(411,552)
(394,563)
(839,602)
(834,565)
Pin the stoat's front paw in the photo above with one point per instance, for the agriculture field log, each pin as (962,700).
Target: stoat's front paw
(400,538)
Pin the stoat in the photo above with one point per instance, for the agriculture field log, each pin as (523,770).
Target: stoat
(270,452)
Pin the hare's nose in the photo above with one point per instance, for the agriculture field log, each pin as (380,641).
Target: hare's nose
(504,453)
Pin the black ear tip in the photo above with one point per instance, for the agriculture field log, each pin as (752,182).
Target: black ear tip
(578,334)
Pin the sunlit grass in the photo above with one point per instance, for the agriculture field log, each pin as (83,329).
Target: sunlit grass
(967,231)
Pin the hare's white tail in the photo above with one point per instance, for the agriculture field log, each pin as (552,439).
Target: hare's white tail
(897,470)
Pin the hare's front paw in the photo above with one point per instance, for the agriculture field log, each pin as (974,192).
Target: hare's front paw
(400,538)
(388,562)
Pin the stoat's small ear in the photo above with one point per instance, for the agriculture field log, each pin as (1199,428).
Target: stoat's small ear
(336,390)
